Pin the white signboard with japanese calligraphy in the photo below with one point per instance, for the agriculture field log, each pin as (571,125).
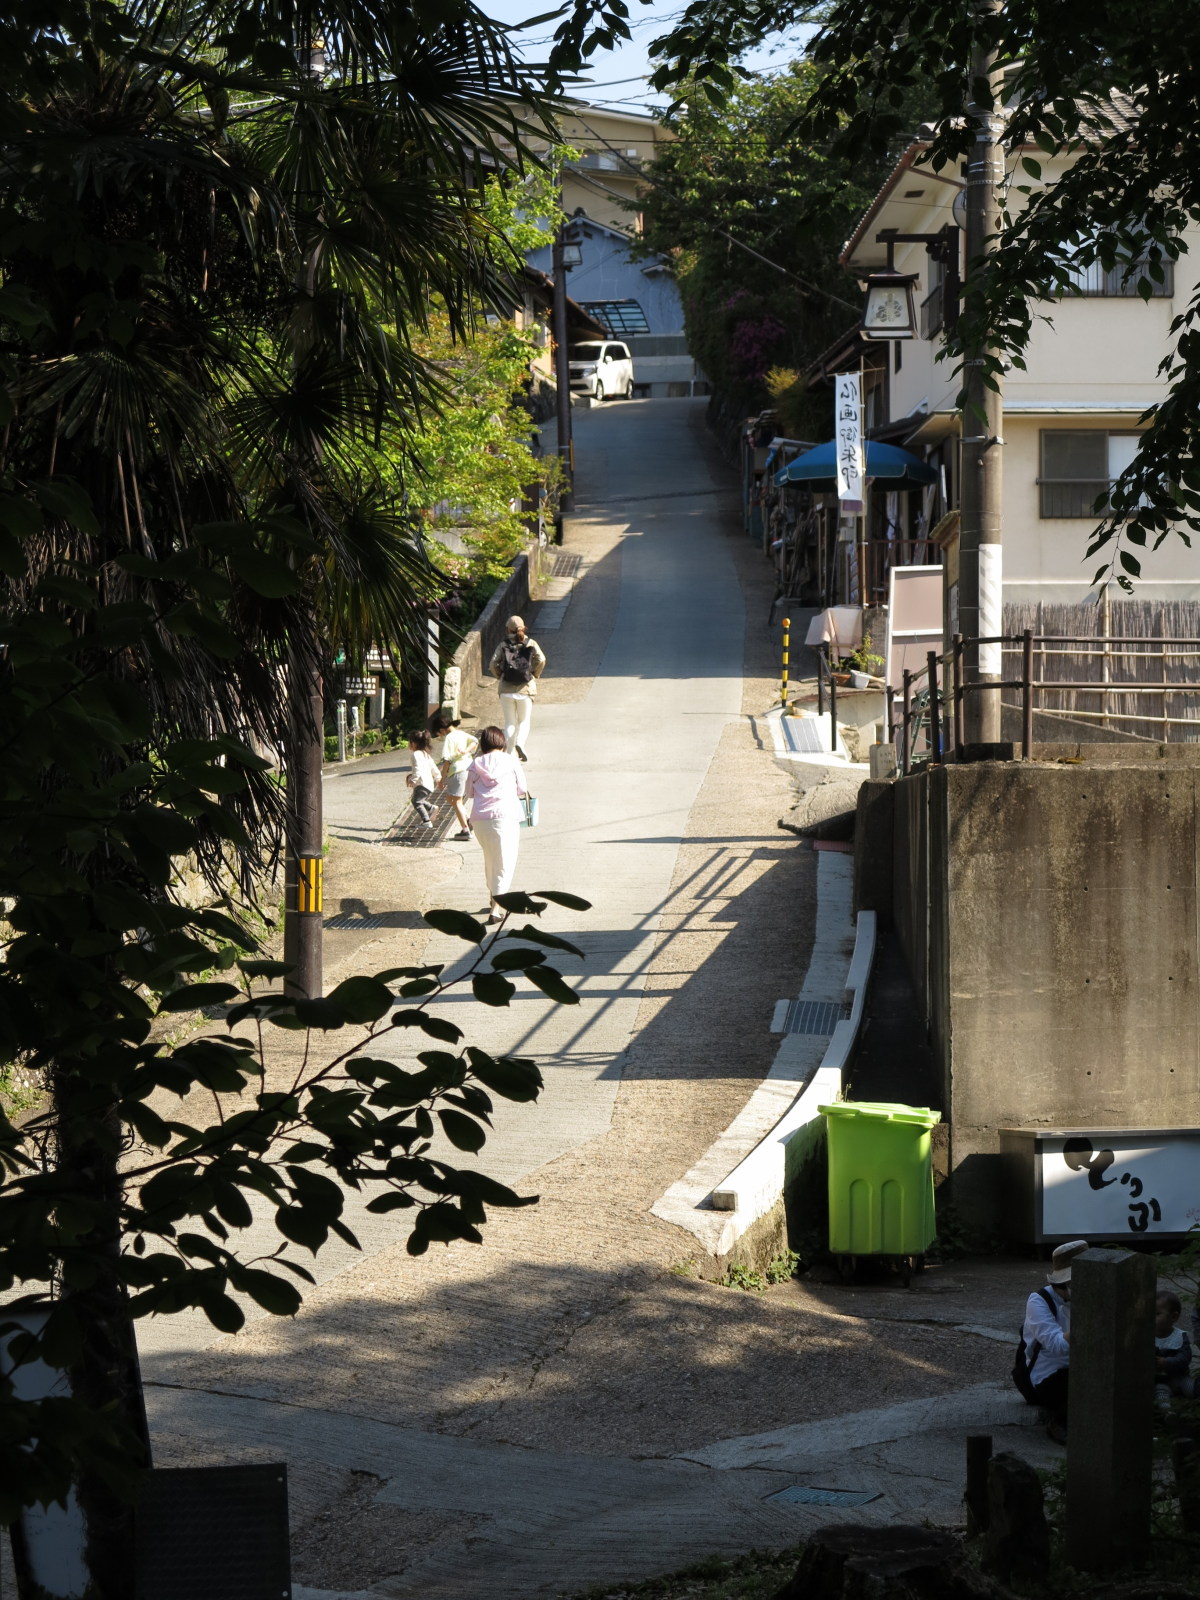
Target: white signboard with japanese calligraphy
(1119,1184)
(848,435)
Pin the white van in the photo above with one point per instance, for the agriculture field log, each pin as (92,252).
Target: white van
(603,369)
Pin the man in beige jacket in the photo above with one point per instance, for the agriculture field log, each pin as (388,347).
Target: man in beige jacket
(518,663)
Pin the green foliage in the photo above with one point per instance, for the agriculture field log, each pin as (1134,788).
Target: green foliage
(1098,91)
(783,1268)
(743,175)
(779,1270)
(212,290)
(101,951)
(474,458)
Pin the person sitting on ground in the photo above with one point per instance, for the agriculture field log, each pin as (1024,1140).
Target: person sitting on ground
(1047,1336)
(458,747)
(1172,1352)
(424,777)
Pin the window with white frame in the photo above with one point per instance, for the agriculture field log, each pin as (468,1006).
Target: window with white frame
(1095,281)
(1078,466)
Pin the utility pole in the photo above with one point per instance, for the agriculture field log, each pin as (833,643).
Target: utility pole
(303,918)
(562,373)
(980,609)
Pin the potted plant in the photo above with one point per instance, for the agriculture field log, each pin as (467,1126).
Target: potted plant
(864,664)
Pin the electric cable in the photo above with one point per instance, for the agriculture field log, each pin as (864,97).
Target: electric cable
(740,244)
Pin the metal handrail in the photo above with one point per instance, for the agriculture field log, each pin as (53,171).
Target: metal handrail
(825,672)
(1028,684)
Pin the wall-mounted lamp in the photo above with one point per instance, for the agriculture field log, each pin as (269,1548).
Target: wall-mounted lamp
(572,256)
(888,313)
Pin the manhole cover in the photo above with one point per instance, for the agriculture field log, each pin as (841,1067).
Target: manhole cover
(797,1494)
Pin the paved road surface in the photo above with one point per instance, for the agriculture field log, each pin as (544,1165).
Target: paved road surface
(570,1404)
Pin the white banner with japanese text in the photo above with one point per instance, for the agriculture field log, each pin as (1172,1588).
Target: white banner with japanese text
(848,433)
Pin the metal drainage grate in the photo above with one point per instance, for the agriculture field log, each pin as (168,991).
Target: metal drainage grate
(799,1495)
(812,1016)
(409,829)
(349,921)
(567,564)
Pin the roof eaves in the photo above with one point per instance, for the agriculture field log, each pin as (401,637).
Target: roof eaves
(889,183)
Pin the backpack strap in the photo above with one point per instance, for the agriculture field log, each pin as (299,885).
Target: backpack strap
(1033,1351)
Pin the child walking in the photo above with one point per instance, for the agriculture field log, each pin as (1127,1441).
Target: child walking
(458,747)
(424,777)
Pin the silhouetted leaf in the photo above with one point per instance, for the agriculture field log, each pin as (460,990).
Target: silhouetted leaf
(195,995)
(463,1132)
(492,989)
(457,924)
(362,999)
(551,984)
(560,898)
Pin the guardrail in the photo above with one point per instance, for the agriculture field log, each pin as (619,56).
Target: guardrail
(940,687)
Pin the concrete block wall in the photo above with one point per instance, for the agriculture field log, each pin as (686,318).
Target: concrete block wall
(477,698)
(1048,914)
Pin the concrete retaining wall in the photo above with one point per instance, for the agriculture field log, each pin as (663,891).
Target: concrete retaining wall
(1047,911)
(477,691)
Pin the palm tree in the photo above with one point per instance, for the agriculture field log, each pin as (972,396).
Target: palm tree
(213,261)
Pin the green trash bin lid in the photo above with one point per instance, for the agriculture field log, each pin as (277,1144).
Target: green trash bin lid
(883,1111)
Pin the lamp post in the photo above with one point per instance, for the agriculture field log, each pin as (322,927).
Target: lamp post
(562,370)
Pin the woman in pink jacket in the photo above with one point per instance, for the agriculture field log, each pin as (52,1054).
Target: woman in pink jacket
(496,789)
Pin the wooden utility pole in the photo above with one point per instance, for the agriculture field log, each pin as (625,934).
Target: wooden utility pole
(980,607)
(303,918)
(562,372)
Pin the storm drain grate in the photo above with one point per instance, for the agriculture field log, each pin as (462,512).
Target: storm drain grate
(349,921)
(812,1016)
(800,1495)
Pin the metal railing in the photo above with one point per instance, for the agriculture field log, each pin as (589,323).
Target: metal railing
(825,683)
(931,725)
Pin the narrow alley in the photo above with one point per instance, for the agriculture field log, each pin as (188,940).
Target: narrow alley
(552,1409)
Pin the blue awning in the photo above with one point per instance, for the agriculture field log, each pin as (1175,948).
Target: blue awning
(887,466)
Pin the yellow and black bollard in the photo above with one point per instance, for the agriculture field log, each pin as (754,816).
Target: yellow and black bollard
(310,875)
(783,687)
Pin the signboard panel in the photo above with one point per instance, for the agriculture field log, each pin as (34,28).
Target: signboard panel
(1107,1183)
(914,620)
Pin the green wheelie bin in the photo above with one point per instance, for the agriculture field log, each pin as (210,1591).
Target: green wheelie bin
(880,1181)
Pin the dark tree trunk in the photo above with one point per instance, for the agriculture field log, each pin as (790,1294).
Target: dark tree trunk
(107,1372)
(303,922)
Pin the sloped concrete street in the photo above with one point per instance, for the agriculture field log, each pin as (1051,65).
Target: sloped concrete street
(570,1404)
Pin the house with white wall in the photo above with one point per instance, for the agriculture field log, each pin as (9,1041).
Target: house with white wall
(635,298)
(1071,416)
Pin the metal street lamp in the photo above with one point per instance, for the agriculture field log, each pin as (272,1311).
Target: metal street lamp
(572,255)
(888,313)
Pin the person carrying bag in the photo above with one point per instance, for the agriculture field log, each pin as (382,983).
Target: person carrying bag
(518,662)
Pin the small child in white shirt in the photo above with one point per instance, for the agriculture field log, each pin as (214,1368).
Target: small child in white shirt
(424,777)
(1172,1352)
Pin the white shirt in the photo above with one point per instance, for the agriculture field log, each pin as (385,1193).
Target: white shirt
(1046,1331)
(425,773)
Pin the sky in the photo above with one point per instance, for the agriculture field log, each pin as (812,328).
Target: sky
(618,76)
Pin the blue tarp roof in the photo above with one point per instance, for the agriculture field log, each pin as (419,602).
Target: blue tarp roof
(887,466)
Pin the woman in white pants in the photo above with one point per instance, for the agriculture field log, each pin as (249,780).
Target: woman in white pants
(518,661)
(495,789)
